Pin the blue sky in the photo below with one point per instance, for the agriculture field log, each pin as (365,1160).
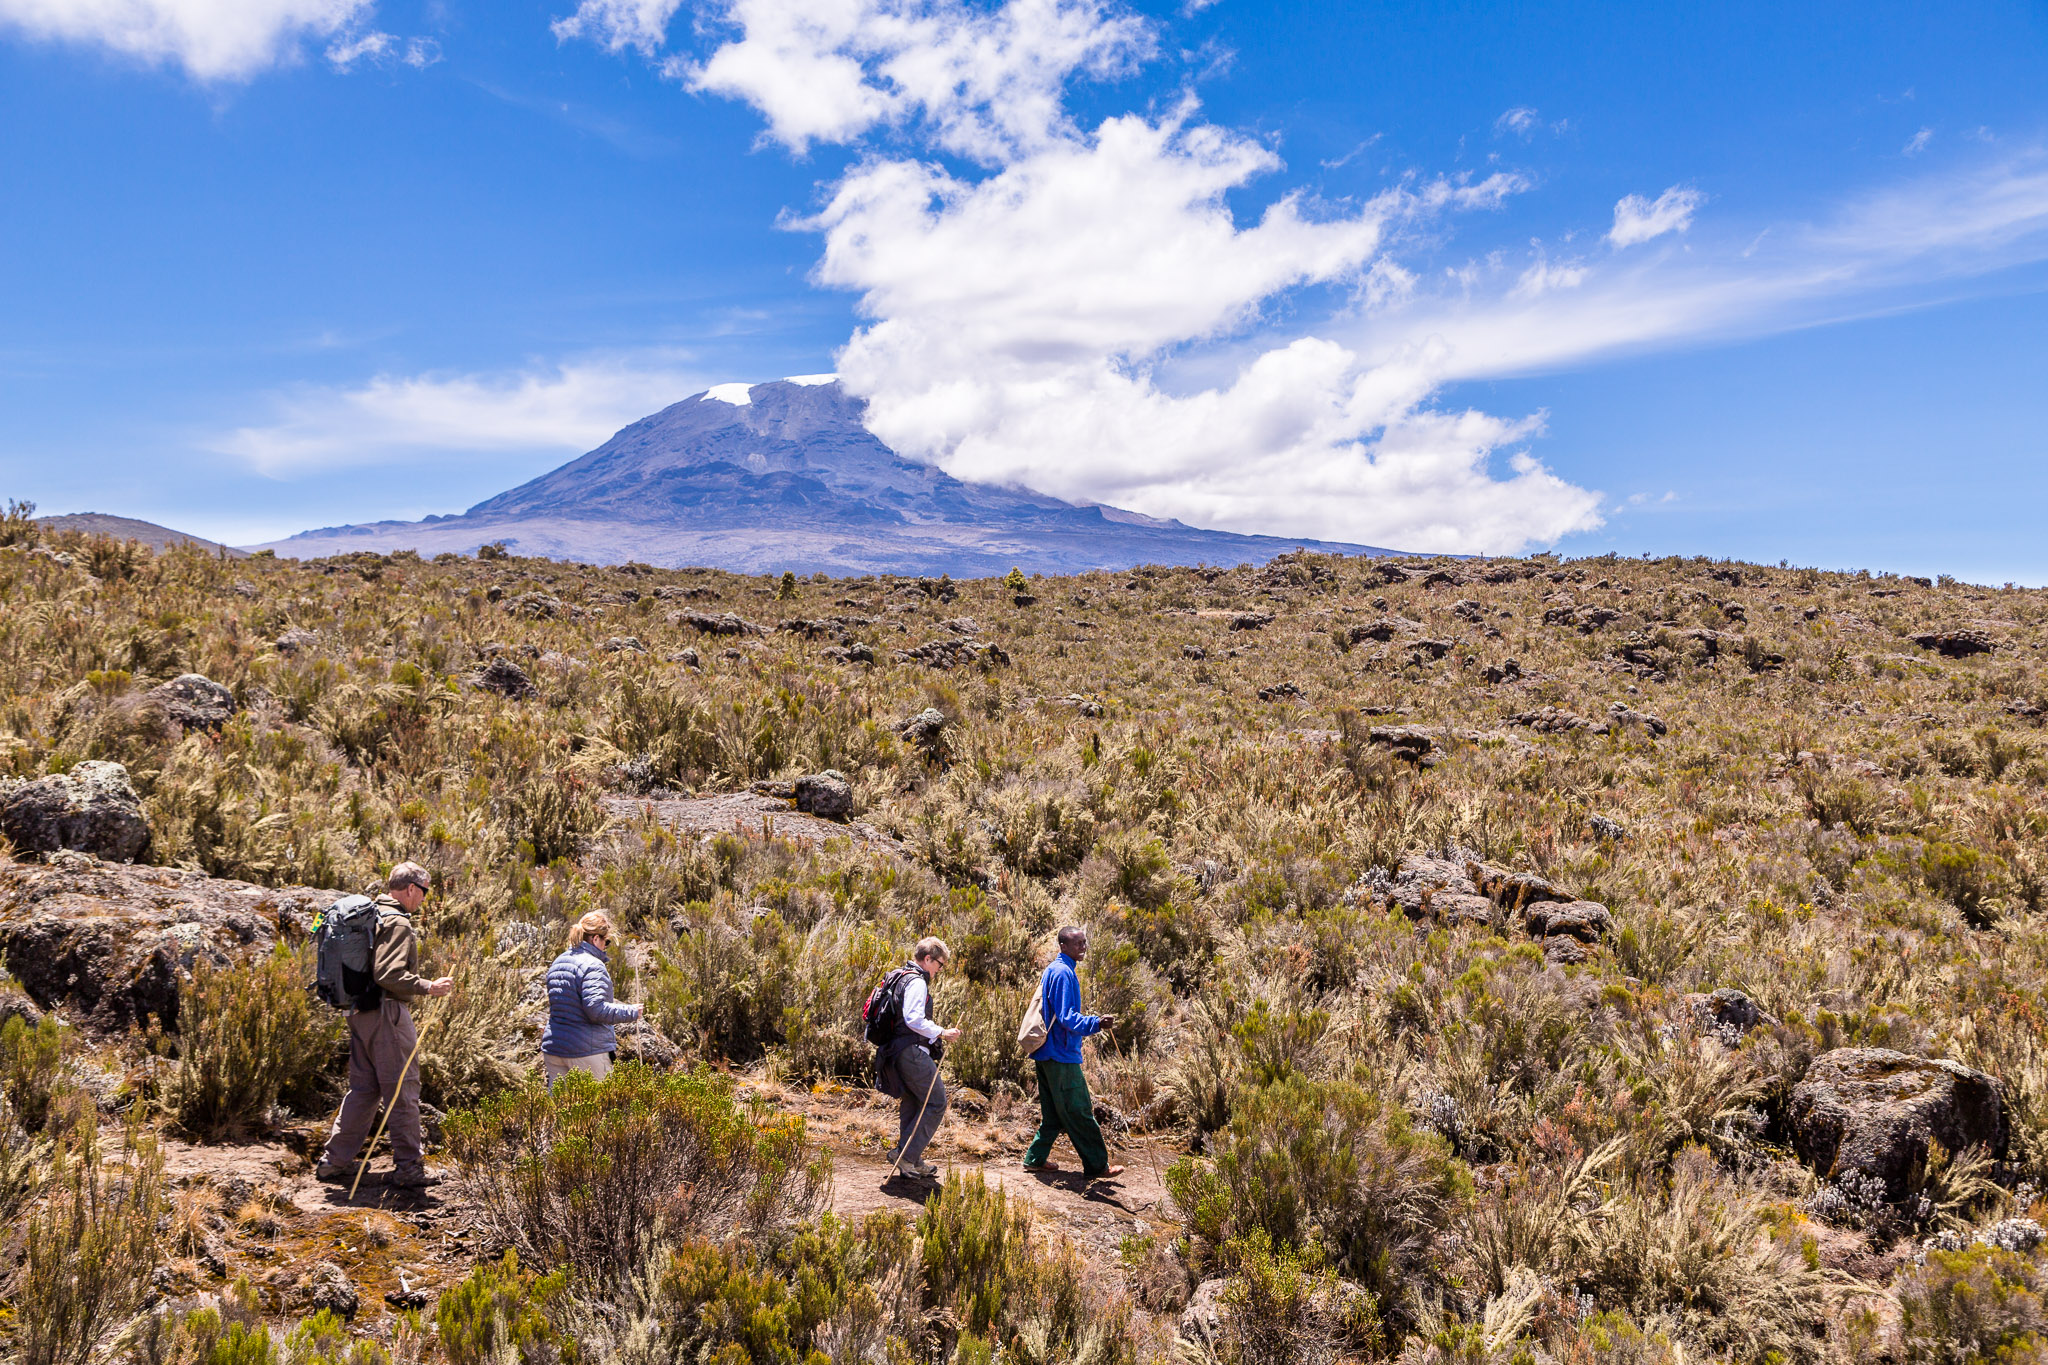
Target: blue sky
(1748,280)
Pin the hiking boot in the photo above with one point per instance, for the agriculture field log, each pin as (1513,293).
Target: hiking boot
(420,1180)
(333,1174)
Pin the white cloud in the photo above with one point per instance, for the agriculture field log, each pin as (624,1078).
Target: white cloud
(1521,121)
(1917,143)
(1086,314)
(1885,250)
(211,39)
(382,49)
(617,25)
(568,408)
(1637,219)
(986,83)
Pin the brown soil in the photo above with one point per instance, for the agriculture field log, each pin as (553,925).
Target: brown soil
(857,1126)
(279,1221)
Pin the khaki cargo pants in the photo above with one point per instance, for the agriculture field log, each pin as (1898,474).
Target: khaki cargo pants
(379,1042)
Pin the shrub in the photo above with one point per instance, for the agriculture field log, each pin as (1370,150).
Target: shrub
(323,1339)
(587,1176)
(1979,1304)
(246,1035)
(556,816)
(472,1043)
(89,1249)
(31,1069)
(1281,1305)
(1306,1162)
(983,1274)
(501,1311)
(720,990)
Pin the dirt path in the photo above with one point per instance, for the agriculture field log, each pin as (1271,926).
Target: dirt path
(857,1126)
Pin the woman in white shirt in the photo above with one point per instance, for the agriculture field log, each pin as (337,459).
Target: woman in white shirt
(907,1060)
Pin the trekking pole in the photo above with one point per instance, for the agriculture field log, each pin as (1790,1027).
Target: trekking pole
(1151,1157)
(903,1147)
(363,1162)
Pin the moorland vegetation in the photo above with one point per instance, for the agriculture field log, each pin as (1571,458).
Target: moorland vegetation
(1476,924)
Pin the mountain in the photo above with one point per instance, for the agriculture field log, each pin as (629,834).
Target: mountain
(785,475)
(157,537)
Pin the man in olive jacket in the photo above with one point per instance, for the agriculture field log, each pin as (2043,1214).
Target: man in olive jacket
(380,1043)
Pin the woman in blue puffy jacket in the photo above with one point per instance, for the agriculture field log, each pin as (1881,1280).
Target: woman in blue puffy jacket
(581,1010)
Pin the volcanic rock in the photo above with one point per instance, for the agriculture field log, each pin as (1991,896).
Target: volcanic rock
(504,677)
(1586,921)
(827,795)
(112,943)
(1955,644)
(194,701)
(1874,1111)
(92,809)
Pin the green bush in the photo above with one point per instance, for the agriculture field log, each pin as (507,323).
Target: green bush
(1306,1163)
(247,1035)
(587,1176)
(89,1248)
(1974,1306)
(982,1272)
(31,1069)
(502,1311)
(720,989)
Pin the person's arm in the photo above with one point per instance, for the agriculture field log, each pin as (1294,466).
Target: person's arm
(394,959)
(598,1005)
(916,1001)
(1063,1003)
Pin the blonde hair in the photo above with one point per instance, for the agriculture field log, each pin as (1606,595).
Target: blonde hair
(589,927)
(408,874)
(932,950)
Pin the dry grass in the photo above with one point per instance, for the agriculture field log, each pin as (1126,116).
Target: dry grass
(1848,827)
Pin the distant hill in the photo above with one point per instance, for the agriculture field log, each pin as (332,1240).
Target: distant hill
(785,475)
(128,528)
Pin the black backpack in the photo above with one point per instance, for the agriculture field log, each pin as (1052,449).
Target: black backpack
(882,1016)
(345,954)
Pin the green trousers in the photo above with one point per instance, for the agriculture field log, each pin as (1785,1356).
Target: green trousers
(1064,1106)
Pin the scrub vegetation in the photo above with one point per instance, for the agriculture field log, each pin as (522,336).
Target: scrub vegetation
(1389,1131)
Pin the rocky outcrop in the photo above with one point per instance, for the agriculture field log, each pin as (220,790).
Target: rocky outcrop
(1426,746)
(1873,1112)
(111,944)
(725,623)
(504,677)
(947,653)
(1955,644)
(91,809)
(324,1285)
(1727,1014)
(1463,890)
(827,795)
(195,701)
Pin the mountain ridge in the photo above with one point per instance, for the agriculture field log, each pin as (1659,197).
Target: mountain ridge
(785,475)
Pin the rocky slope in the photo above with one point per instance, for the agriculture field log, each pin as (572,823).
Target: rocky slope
(785,476)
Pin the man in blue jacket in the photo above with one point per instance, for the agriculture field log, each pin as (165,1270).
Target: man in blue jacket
(1064,1104)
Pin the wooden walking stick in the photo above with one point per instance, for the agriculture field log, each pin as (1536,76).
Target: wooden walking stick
(903,1145)
(363,1162)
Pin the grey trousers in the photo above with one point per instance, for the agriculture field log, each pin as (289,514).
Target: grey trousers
(379,1042)
(919,1075)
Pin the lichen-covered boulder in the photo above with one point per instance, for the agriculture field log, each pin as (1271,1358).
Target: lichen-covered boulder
(1874,1111)
(92,809)
(195,701)
(112,945)
(827,795)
